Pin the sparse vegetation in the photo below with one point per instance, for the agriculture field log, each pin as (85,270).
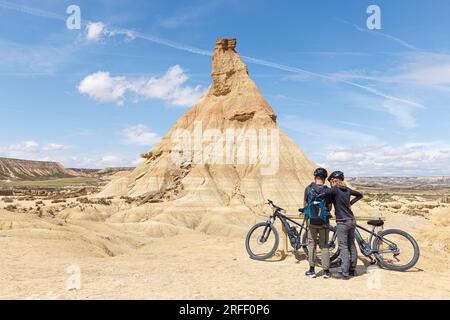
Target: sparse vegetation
(59,201)
(100,201)
(11,208)
(128,200)
(62,182)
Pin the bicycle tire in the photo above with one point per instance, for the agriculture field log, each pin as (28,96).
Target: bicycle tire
(272,251)
(386,265)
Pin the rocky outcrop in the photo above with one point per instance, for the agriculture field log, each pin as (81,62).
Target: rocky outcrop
(445,199)
(226,67)
(232,104)
(15,169)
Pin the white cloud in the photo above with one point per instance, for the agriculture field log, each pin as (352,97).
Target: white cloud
(169,88)
(417,76)
(103,87)
(432,75)
(429,158)
(401,112)
(95,30)
(32,150)
(98,162)
(139,135)
(419,69)
(111,160)
(25,147)
(340,155)
(54,147)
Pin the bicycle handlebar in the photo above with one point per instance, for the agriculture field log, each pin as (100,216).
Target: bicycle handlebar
(270,202)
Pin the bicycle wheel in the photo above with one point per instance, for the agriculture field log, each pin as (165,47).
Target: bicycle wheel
(396,250)
(262,241)
(332,246)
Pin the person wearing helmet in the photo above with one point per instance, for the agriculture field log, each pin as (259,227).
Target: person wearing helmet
(317,229)
(341,197)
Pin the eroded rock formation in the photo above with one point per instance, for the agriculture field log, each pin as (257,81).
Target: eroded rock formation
(234,110)
(15,169)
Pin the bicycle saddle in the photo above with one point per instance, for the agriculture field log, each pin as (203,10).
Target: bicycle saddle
(375,223)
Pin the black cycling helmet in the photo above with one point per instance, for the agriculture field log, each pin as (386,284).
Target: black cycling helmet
(321,173)
(337,175)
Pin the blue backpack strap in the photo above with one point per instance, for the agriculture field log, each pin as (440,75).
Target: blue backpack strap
(312,194)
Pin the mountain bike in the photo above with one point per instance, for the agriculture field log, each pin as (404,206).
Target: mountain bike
(387,247)
(263,239)
(393,249)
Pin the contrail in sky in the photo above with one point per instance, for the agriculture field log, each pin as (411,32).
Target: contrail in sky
(164,42)
(32,11)
(380,34)
(326,77)
(179,46)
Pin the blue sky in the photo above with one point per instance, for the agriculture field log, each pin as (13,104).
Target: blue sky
(370,102)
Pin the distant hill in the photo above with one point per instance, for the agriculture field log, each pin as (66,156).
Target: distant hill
(402,182)
(82,172)
(16,169)
(30,170)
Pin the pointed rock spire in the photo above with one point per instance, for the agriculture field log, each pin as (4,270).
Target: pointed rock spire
(227,67)
(233,103)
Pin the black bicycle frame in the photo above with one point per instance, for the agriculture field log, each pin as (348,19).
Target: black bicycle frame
(277,214)
(366,246)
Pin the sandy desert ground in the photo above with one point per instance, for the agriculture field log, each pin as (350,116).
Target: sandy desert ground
(194,258)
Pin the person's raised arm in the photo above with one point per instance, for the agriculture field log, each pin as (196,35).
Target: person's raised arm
(357,196)
(326,193)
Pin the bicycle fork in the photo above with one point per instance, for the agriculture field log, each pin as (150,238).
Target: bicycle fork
(266,233)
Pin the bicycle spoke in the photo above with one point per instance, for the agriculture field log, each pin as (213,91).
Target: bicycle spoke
(395,250)
(262,241)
